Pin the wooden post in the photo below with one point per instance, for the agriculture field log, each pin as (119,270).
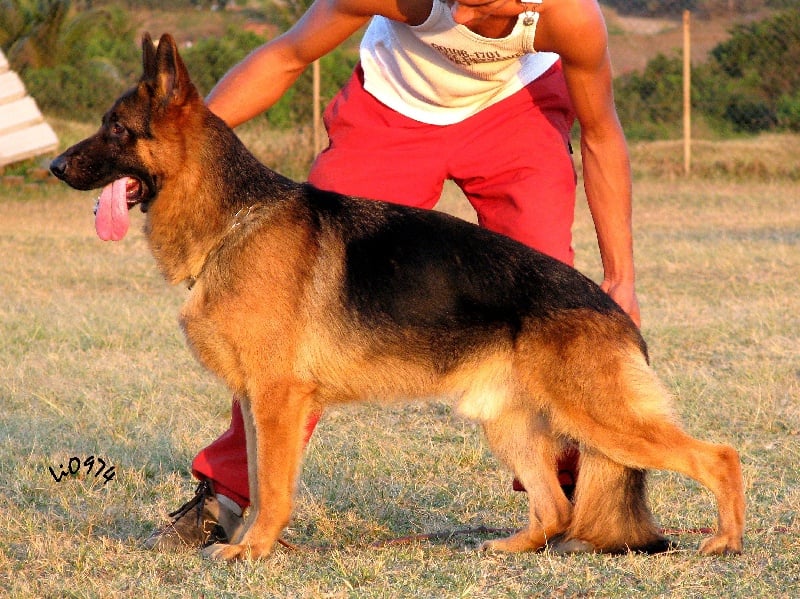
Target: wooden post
(316,95)
(687,93)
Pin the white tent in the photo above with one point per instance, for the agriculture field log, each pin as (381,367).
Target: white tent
(23,132)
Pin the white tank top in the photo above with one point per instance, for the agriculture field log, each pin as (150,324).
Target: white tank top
(441,72)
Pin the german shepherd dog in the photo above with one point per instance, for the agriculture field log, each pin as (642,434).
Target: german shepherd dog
(302,298)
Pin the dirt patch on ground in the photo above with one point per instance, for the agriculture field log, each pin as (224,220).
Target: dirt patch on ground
(633,41)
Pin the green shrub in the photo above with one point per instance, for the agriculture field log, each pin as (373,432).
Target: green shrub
(210,58)
(92,58)
(788,112)
(296,105)
(750,113)
(649,103)
(754,70)
(82,92)
(750,84)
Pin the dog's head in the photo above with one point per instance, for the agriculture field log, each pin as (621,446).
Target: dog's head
(130,142)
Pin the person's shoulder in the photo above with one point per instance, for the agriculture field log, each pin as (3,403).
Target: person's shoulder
(574,29)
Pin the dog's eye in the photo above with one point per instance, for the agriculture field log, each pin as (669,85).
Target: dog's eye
(117,130)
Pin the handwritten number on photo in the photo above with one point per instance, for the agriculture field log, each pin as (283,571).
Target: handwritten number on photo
(74,466)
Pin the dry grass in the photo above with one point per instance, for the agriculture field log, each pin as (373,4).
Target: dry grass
(92,363)
(766,158)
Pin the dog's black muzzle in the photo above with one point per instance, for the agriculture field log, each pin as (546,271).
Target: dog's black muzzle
(59,167)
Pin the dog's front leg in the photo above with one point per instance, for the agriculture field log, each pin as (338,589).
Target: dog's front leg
(274,422)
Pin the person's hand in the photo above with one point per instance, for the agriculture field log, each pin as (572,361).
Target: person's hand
(625,295)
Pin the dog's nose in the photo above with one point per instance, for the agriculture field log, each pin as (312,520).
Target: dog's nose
(59,166)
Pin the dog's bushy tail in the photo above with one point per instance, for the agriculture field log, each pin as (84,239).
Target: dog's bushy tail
(611,511)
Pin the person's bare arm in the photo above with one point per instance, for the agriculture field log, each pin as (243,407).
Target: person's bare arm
(258,81)
(575,29)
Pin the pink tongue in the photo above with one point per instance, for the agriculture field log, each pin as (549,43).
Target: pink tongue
(112,221)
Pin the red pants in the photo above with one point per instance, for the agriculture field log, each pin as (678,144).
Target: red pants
(512,161)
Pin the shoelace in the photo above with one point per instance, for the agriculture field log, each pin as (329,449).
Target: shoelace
(202,492)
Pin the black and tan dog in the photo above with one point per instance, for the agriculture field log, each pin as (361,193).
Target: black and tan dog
(302,298)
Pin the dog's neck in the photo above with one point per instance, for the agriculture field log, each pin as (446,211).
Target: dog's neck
(193,215)
(238,219)
(180,240)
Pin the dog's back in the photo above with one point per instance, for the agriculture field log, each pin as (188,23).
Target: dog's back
(382,283)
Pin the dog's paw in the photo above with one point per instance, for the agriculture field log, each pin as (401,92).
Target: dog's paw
(223,552)
(566,546)
(721,545)
(227,553)
(518,542)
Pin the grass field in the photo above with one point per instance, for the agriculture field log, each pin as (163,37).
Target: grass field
(92,363)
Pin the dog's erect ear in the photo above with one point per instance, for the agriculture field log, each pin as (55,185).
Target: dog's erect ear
(165,71)
(148,58)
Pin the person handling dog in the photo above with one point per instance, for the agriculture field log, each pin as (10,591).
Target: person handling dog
(482,92)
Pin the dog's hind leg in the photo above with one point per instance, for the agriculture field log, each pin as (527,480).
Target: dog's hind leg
(628,420)
(522,439)
(274,428)
(714,466)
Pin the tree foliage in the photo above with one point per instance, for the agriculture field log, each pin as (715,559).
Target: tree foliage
(72,61)
(751,83)
(208,59)
(335,68)
(76,57)
(650,103)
